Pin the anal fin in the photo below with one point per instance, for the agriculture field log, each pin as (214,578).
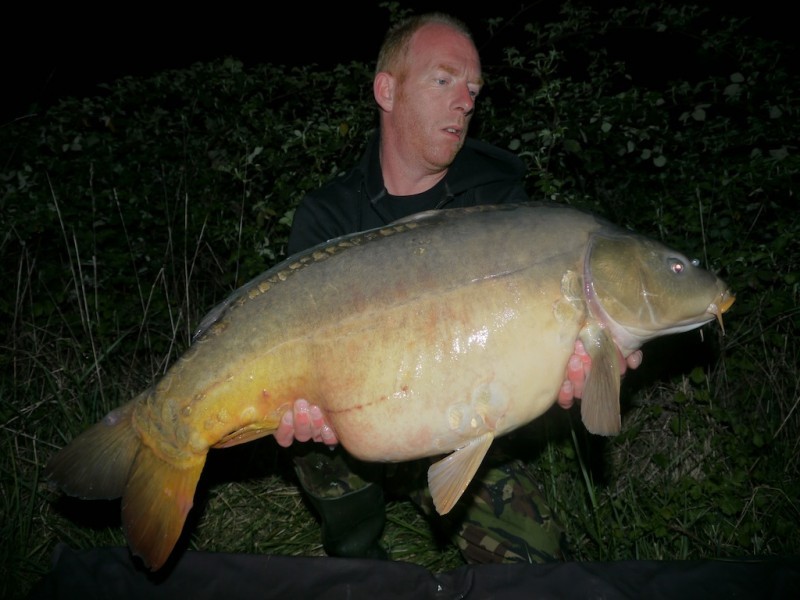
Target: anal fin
(449,477)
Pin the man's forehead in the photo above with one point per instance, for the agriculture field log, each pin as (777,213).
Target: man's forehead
(441,47)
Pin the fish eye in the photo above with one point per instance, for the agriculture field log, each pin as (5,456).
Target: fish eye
(676,265)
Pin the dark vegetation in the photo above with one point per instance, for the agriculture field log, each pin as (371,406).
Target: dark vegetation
(128,215)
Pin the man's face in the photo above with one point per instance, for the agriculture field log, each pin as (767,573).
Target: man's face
(435,97)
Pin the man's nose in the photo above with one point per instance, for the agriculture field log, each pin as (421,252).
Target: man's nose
(465,101)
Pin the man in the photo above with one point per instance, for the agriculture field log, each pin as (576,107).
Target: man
(427,80)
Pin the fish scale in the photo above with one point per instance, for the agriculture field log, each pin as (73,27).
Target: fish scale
(429,337)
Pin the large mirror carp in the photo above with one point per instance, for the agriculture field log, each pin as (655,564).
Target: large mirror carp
(429,337)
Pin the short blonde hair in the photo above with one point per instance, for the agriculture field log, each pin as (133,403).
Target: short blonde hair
(398,39)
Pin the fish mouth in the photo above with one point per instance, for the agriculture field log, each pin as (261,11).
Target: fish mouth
(720,305)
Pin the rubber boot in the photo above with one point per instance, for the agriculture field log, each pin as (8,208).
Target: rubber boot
(347,498)
(352,524)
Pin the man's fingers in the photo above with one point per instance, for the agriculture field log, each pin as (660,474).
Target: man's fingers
(320,429)
(284,435)
(566,395)
(578,368)
(327,436)
(576,376)
(302,421)
(634,359)
(317,420)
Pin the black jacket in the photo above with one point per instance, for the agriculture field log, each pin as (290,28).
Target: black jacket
(357,200)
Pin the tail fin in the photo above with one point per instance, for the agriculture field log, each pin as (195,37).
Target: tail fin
(157,499)
(95,465)
(109,460)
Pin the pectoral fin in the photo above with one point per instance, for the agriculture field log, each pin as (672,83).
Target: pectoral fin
(449,477)
(600,403)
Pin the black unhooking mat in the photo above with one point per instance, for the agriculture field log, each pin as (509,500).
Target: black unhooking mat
(109,573)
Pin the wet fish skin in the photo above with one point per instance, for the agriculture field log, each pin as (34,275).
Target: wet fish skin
(431,336)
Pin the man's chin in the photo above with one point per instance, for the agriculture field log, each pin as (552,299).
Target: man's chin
(446,157)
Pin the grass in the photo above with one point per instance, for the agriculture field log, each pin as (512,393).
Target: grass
(707,464)
(689,477)
(63,378)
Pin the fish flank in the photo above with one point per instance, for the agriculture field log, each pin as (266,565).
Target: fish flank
(211,325)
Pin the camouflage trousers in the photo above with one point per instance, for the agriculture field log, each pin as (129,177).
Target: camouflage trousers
(502,517)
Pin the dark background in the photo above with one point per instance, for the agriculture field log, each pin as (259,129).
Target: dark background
(51,53)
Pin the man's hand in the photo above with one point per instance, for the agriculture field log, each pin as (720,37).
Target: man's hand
(578,368)
(307,422)
(304,422)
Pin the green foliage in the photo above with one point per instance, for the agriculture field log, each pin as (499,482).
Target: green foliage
(128,215)
(182,184)
(704,158)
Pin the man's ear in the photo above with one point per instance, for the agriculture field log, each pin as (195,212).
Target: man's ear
(383,88)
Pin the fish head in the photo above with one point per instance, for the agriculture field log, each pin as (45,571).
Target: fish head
(641,289)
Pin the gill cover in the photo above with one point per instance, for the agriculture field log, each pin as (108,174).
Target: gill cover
(647,289)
